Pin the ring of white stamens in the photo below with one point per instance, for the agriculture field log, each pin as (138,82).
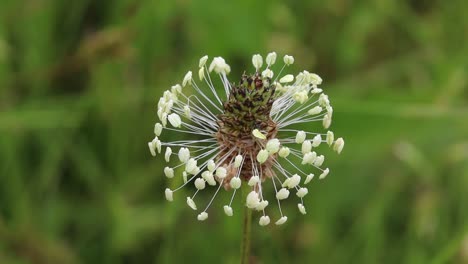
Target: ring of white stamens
(253,157)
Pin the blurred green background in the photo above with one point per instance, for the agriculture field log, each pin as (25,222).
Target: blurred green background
(79,82)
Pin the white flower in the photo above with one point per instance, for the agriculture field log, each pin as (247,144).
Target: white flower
(246,134)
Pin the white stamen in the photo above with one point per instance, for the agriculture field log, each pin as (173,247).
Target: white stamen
(257,61)
(202,216)
(262,156)
(309,178)
(157,129)
(184,155)
(200,184)
(300,137)
(258,134)
(235,183)
(284,152)
(264,220)
(252,200)
(302,192)
(191,203)
(324,174)
(187,79)
(169,172)
(282,194)
(301,208)
(228,210)
(288,60)
(287,78)
(271,58)
(168,194)
(282,220)
(339,144)
(253,180)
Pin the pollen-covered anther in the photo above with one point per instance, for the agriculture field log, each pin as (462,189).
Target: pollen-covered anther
(292,182)
(282,194)
(200,184)
(324,174)
(302,192)
(316,141)
(339,144)
(319,161)
(309,158)
(301,208)
(202,216)
(262,156)
(267,73)
(257,61)
(187,79)
(262,205)
(191,167)
(157,129)
(174,119)
(330,138)
(252,200)
(256,133)
(191,203)
(300,137)
(287,78)
(203,61)
(169,172)
(309,178)
(167,154)
(238,161)
(271,58)
(288,60)
(184,155)
(264,220)
(235,183)
(254,180)
(273,146)
(306,146)
(208,176)
(282,220)
(300,97)
(221,172)
(228,210)
(169,194)
(284,152)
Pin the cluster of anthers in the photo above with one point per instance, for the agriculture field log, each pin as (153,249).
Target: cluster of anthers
(244,135)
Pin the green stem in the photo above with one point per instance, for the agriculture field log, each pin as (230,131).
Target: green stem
(246,227)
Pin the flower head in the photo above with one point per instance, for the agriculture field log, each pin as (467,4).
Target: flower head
(246,134)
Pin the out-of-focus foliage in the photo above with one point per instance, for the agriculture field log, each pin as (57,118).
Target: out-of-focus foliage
(78,88)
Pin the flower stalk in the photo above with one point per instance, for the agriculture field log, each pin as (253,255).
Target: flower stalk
(246,228)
